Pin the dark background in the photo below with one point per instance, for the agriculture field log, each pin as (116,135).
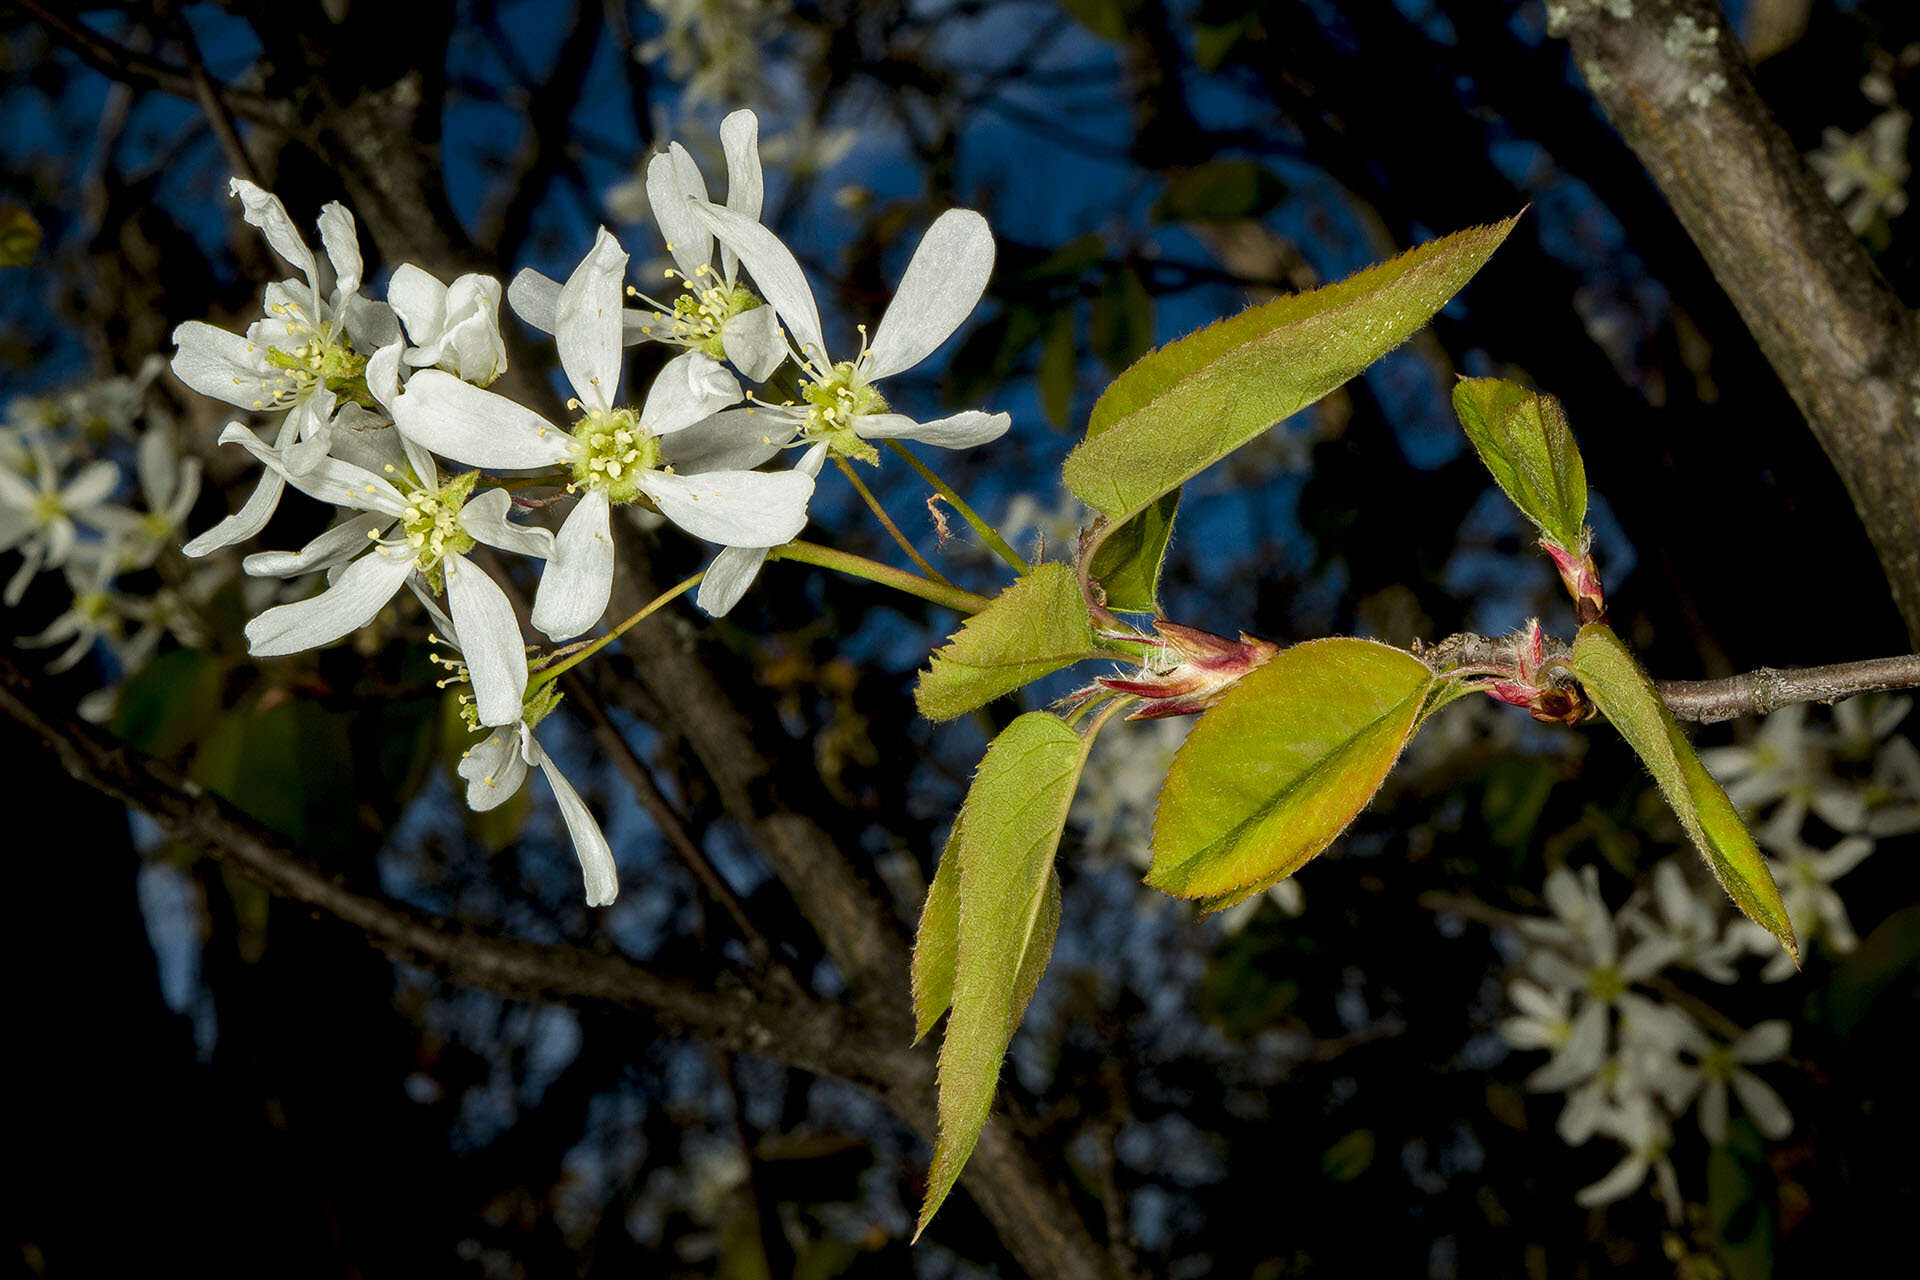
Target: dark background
(216,1080)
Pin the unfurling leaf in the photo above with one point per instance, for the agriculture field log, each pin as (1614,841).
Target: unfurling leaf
(1001,910)
(1524,440)
(1617,685)
(1033,628)
(1182,408)
(1287,759)
(1127,562)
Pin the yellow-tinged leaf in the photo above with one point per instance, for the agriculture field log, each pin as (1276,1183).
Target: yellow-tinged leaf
(1033,628)
(1182,408)
(1617,685)
(937,944)
(1524,440)
(1005,913)
(1287,759)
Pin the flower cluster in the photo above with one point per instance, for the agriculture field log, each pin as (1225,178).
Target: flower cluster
(1866,173)
(67,509)
(1609,994)
(394,412)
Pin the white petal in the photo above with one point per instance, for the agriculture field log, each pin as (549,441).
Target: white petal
(776,273)
(691,386)
(728,578)
(486,519)
(960,431)
(367,440)
(343,608)
(494,768)
(264,210)
(222,365)
(458,420)
(92,486)
(589,842)
(578,581)
(245,523)
(420,300)
(343,247)
(754,343)
(1713,1111)
(587,323)
(535,298)
(673,183)
(370,323)
(746,188)
(736,440)
(490,641)
(1617,1185)
(1763,1105)
(331,480)
(942,286)
(337,545)
(1765,1042)
(733,508)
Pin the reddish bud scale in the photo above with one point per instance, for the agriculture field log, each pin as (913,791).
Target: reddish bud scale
(1208,666)
(1582,581)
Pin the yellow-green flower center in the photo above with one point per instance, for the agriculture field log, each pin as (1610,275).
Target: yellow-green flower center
(611,451)
(47,508)
(696,318)
(319,360)
(834,404)
(1605,984)
(431,526)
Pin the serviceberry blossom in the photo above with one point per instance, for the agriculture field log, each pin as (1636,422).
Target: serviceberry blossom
(496,767)
(1643,1130)
(455,327)
(611,453)
(1723,1068)
(169,486)
(98,612)
(40,514)
(1805,875)
(306,357)
(840,409)
(411,526)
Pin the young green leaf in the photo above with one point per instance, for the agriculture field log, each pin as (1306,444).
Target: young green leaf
(1617,685)
(1006,910)
(1184,407)
(1035,627)
(938,943)
(1524,440)
(1287,759)
(1127,562)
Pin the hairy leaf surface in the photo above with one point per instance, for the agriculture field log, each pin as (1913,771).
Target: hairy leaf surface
(1004,915)
(1613,679)
(1182,408)
(1281,765)
(1035,627)
(1524,440)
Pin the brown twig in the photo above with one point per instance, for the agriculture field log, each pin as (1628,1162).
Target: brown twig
(212,104)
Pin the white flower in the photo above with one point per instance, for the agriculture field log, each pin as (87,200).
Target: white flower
(1866,173)
(1642,1129)
(841,406)
(455,327)
(307,342)
(1785,761)
(38,513)
(1691,924)
(1724,1067)
(613,454)
(713,313)
(713,46)
(1578,1045)
(169,486)
(1805,876)
(97,612)
(413,527)
(496,767)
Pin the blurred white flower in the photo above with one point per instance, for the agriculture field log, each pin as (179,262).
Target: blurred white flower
(1724,1067)
(1805,876)
(39,515)
(1692,924)
(1866,173)
(1641,1128)
(1785,760)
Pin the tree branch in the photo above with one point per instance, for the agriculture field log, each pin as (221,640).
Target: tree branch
(1674,81)
(1753,693)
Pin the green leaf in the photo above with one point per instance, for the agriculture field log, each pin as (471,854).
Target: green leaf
(1525,442)
(1220,190)
(1617,685)
(938,942)
(1035,627)
(1184,407)
(289,765)
(1281,765)
(1009,830)
(169,704)
(1127,563)
(20,236)
(1120,328)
